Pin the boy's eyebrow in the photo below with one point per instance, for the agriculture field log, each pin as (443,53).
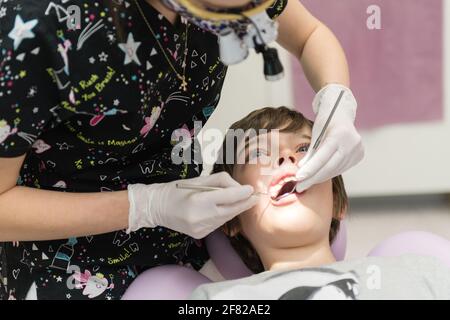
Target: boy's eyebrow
(305,136)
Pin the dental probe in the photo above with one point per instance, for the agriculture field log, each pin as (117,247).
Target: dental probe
(204,188)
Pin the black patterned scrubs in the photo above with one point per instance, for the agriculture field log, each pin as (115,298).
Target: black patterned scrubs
(94,110)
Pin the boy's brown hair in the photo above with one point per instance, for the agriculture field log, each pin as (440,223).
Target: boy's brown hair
(285,120)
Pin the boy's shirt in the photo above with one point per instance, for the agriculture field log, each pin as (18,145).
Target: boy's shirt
(404,277)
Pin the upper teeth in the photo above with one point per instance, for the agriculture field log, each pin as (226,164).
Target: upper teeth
(287,179)
(276,188)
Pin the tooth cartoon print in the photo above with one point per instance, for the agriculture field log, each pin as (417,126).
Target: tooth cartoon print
(92,285)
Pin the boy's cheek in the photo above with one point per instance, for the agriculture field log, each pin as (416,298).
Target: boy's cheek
(247,175)
(321,196)
(239,174)
(322,189)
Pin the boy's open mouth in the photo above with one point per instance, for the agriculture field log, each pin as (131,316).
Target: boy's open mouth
(283,186)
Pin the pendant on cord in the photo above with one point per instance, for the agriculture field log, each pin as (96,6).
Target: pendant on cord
(184,84)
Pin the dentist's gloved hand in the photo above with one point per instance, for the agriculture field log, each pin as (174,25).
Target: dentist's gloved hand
(341,147)
(191,212)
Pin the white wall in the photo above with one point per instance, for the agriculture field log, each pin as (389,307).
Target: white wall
(408,159)
(400,159)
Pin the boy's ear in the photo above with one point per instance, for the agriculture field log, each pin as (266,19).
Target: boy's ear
(229,230)
(232,228)
(343,214)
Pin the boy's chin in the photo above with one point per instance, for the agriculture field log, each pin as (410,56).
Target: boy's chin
(291,239)
(305,223)
(296,213)
(296,228)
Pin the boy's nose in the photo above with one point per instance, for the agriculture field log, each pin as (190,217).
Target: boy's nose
(287,158)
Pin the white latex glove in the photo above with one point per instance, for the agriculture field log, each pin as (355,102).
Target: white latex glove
(191,212)
(341,147)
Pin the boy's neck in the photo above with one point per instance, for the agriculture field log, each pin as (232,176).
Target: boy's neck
(316,255)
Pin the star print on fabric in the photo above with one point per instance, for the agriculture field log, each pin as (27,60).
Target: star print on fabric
(130,49)
(64,146)
(32,92)
(22,30)
(2,12)
(103,57)
(111,38)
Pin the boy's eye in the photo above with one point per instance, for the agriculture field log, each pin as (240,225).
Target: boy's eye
(303,147)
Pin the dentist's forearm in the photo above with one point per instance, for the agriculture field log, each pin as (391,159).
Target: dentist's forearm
(323,59)
(28,214)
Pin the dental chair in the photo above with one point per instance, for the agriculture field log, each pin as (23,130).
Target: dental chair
(174,282)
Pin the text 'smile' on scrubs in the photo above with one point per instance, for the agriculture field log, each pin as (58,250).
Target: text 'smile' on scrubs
(94,113)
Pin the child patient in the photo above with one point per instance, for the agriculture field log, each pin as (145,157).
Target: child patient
(286,242)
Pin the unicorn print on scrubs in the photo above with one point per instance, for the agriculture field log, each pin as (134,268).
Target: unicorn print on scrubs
(5,131)
(92,285)
(63,49)
(40,146)
(151,121)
